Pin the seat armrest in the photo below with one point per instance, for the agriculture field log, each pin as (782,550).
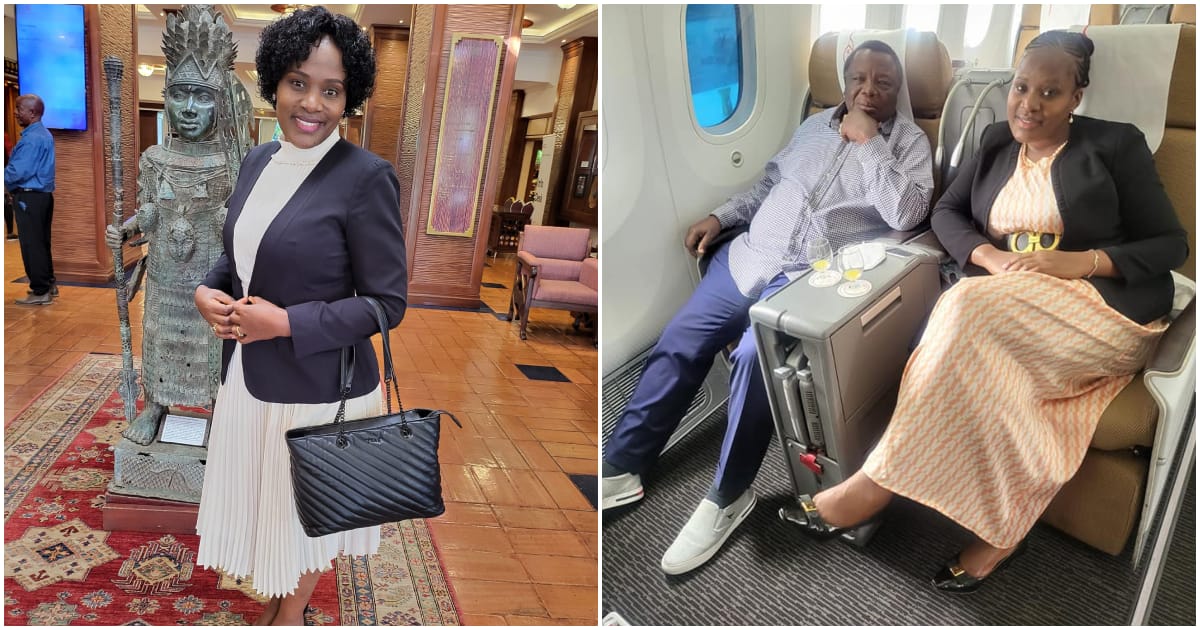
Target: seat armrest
(589,275)
(1173,348)
(528,259)
(1170,378)
(903,236)
(922,238)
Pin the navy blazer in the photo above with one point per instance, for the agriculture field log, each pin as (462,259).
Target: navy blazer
(1109,196)
(339,236)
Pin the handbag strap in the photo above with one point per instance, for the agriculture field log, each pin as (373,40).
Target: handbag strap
(389,373)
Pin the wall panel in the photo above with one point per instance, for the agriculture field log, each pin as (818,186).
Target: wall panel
(447,270)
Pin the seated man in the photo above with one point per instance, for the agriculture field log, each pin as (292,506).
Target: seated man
(848,174)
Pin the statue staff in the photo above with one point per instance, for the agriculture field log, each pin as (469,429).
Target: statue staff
(113,70)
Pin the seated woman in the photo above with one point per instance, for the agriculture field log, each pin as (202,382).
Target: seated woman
(1067,226)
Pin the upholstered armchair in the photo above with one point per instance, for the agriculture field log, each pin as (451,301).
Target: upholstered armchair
(554,271)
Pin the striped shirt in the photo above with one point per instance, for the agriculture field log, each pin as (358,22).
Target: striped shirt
(822,185)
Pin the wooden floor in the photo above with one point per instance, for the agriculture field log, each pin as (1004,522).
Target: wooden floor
(518,540)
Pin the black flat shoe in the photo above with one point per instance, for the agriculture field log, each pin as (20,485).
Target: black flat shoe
(953,579)
(809,520)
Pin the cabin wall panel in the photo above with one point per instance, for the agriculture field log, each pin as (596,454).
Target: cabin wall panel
(661,173)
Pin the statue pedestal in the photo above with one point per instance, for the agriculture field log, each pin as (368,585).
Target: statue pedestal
(156,487)
(140,514)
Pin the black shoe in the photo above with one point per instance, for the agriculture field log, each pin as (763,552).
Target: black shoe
(53,290)
(11,237)
(810,520)
(953,579)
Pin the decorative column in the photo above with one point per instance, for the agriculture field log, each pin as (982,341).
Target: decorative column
(385,110)
(576,94)
(462,59)
(83,195)
(512,149)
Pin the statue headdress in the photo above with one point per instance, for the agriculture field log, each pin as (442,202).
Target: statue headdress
(198,46)
(200,50)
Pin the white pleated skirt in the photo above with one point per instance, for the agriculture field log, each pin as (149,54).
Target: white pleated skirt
(247,522)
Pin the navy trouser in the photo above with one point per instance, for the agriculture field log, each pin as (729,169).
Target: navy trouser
(9,225)
(716,314)
(35,214)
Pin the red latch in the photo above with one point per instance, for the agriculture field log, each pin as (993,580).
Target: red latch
(810,460)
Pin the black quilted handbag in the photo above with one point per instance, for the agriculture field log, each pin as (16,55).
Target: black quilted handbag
(358,473)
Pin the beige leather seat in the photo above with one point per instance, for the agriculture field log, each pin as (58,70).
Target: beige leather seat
(1103,502)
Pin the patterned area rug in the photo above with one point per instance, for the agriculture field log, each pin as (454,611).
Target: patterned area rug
(61,568)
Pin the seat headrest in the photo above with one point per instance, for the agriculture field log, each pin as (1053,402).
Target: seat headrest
(1132,71)
(927,72)
(564,243)
(1183,14)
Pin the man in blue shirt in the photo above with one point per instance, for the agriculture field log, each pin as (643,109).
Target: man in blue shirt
(29,180)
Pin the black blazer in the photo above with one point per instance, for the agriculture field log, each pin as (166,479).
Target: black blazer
(339,236)
(1110,198)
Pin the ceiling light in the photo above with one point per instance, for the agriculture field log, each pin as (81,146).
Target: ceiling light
(288,9)
(401,21)
(566,7)
(564,41)
(147,69)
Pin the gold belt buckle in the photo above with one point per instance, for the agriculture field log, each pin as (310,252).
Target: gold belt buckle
(1026,242)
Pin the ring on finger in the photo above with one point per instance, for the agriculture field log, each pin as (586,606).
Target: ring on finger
(238,330)
(215,331)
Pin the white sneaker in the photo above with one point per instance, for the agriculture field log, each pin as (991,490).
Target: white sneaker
(620,490)
(705,532)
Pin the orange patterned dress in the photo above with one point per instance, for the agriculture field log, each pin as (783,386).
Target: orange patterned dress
(1000,400)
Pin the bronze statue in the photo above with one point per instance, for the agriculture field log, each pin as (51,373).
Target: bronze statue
(183,185)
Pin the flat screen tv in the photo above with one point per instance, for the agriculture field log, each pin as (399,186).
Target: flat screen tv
(50,54)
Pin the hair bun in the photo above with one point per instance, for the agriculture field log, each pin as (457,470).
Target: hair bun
(1087,43)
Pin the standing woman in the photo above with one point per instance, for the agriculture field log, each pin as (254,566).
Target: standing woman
(1070,238)
(313,223)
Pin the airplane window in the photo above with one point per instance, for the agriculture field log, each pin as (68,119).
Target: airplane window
(979,16)
(714,59)
(922,17)
(842,17)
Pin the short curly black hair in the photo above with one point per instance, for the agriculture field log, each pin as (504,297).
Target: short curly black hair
(287,42)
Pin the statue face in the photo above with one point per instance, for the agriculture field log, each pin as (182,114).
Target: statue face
(191,110)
